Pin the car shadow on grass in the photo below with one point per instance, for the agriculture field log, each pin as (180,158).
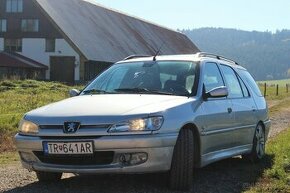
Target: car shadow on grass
(230,175)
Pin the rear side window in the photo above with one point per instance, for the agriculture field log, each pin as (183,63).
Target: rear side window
(212,77)
(245,75)
(244,88)
(233,84)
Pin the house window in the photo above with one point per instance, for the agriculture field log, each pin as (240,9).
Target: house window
(13,45)
(3,25)
(14,6)
(29,25)
(50,45)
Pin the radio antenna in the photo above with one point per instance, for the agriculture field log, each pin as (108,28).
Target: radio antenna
(158,51)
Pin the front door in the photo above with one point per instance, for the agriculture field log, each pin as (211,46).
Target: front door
(217,114)
(62,69)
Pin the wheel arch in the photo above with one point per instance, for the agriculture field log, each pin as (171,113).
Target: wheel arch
(261,123)
(197,143)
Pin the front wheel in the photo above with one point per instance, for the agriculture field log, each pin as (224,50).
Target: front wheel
(48,176)
(181,172)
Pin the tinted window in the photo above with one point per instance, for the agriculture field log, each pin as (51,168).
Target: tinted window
(233,84)
(212,77)
(245,75)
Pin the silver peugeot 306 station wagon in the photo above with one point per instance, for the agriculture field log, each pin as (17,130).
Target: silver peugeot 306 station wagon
(149,114)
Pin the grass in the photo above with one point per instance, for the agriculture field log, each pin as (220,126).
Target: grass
(271,93)
(281,83)
(276,178)
(20,96)
(9,158)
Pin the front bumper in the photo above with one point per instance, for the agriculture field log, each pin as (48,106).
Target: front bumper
(158,147)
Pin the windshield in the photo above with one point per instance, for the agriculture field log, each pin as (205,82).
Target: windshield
(164,77)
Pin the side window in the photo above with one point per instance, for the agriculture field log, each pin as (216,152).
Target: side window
(212,77)
(245,75)
(244,88)
(233,84)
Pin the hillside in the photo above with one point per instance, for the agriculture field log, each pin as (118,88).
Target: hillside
(266,55)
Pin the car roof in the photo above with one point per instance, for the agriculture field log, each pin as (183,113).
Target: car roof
(198,57)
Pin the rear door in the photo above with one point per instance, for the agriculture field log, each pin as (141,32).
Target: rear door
(243,105)
(217,113)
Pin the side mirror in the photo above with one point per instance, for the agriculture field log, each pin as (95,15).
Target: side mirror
(218,92)
(74,92)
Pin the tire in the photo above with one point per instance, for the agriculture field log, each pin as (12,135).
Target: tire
(258,150)
(181,173)
(48,176)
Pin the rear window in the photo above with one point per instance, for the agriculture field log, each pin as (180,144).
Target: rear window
(246,76)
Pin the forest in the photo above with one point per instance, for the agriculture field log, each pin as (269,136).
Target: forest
(265,54)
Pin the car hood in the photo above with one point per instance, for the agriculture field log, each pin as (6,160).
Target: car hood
(103,108)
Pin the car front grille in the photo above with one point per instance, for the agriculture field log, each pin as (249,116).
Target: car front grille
(103,126)
(98,158)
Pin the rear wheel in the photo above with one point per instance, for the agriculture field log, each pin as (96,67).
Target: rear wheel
(48,176)
(258,150)
(181,172)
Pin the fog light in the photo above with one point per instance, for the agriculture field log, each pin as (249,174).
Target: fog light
(27,157)
(125,158)
(133,158)
(138,158)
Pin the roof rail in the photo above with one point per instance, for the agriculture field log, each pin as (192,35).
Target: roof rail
(210,55)
(136,56)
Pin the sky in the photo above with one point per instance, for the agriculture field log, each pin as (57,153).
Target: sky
(249,15)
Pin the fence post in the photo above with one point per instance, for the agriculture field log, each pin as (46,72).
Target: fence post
(265,89)
(277,90)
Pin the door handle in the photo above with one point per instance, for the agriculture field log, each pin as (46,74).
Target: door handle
(230,110)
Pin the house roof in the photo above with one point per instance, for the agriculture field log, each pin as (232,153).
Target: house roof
(104,34)
(14,60)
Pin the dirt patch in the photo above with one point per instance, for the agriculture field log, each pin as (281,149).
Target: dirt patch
(7,144)
(279,115)
(280,121)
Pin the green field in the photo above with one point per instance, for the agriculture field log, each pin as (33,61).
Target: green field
(18,97)
(277,177)
(281,83)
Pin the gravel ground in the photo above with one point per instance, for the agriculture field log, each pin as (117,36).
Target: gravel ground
(230,175)
(280,121)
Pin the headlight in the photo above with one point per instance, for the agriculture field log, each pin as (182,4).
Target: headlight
(27,127)
(145,124)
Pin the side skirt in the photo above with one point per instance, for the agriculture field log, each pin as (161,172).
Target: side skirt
(225,153)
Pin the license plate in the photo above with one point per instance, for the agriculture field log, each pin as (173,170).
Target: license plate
(64,148)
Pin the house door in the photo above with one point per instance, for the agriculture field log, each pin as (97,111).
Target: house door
(62,69)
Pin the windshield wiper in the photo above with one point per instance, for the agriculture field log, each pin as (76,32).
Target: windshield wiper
(96,91)
(142,90)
